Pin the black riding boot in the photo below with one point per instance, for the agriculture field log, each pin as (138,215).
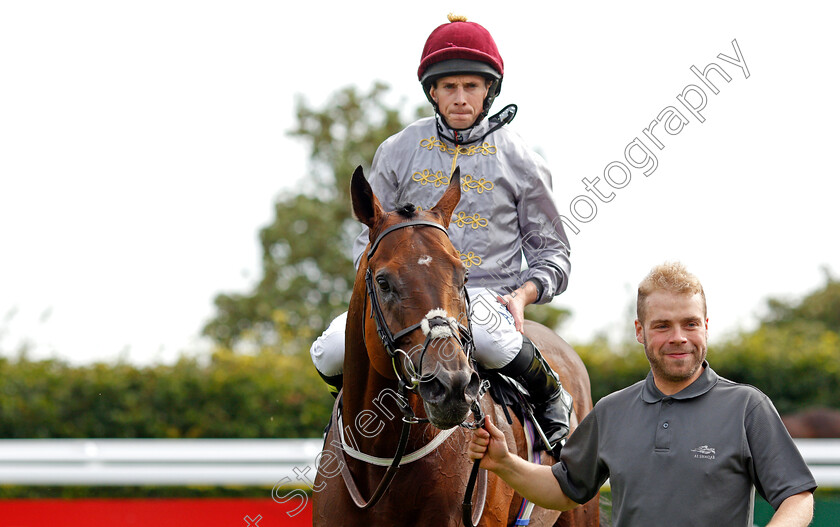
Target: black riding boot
(553,403)
(334,382)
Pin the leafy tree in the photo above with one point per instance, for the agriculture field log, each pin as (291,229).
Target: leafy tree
(793,356)
(307,273)
(795,368)
(611,366)
(820,309)
(548,315)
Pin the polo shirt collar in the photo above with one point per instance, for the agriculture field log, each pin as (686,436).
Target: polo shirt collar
(704,383)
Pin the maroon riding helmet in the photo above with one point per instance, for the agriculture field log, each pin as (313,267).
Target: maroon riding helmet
(461,48)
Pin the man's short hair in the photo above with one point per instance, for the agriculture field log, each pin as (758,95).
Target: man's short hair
(672,277)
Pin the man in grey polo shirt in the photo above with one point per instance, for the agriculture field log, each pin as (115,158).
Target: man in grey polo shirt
(683,447)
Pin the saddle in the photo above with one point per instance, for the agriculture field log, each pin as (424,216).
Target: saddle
(510,394)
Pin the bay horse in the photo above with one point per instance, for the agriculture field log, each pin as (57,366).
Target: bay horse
(813,423)
(409,294)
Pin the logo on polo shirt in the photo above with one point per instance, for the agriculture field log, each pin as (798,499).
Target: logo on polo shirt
(704,452)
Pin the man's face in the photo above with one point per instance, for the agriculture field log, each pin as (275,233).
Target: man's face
(460,99)
(674,334)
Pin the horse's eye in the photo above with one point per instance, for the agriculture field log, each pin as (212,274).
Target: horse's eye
(466,276)
(383,284)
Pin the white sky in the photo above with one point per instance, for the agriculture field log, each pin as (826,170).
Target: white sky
(142,145)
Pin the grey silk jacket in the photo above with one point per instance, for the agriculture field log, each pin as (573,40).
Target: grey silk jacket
(506,209)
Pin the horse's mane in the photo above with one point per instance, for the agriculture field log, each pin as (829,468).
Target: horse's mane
(406,210)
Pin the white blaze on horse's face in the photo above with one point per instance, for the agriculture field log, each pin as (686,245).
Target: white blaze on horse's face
(439,331)
(425,260)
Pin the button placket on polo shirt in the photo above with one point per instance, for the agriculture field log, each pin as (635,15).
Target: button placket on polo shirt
(662,441)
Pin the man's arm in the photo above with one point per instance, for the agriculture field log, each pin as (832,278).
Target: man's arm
(544,240)
(534,482)
(781,472)
(795,511)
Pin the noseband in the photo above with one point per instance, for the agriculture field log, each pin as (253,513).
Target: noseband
(434,325)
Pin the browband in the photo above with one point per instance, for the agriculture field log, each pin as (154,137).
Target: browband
(392,228)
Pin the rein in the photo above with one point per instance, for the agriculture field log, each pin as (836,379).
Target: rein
(408,381)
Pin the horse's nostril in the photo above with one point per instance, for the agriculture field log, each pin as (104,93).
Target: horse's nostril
(452,386)
(473,386)
(432,390)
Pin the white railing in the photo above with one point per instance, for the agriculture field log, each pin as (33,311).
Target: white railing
(259,462)
(823,458)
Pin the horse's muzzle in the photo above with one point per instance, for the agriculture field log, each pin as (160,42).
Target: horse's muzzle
(447,396)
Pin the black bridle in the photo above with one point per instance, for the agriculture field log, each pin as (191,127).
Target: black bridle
(411,380)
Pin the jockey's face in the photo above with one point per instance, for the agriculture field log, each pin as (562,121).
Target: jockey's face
(460,98)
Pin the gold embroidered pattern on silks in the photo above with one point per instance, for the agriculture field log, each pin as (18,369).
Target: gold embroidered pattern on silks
(469,259)
(438,179)
(480,184)
(485,149)
(426,176)
(432,143)
(475,221)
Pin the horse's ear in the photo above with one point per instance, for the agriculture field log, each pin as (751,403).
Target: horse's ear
(366,207)
(447,203)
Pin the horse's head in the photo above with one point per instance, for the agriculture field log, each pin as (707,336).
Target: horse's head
(416,316)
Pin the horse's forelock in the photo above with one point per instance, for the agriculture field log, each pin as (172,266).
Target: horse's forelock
(406,210)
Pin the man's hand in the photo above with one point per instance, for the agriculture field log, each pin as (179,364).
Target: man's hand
(488,444)
(534,482)
(516,302)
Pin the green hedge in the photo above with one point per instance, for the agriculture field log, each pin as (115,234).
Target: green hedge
(796,367)
(271,395)
(226,396)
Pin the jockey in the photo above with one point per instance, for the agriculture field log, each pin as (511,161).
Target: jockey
(506,213)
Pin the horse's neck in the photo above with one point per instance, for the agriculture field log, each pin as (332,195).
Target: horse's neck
(370,405)
(371,413)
